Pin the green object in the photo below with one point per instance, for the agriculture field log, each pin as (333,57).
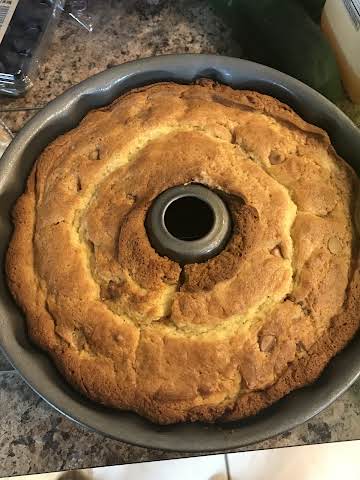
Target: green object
(313,8)
(280,34)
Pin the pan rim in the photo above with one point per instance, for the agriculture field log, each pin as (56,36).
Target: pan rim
(46,381)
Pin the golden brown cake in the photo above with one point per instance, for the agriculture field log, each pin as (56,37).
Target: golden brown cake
(212,341)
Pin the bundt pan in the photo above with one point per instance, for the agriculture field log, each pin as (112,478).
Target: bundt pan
(63,114)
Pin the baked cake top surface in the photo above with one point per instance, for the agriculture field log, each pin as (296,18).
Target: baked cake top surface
(219,339)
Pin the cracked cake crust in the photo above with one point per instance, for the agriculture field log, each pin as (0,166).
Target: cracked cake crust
(214,341)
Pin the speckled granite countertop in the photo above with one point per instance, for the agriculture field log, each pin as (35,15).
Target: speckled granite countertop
(35,438)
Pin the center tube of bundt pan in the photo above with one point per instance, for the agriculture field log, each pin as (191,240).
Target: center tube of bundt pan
(188,224)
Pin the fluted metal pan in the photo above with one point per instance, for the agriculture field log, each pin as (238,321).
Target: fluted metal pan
(65,113)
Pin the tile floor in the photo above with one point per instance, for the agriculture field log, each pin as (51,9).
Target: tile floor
(334,461)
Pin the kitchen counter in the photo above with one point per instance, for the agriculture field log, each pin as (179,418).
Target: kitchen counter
(34,437)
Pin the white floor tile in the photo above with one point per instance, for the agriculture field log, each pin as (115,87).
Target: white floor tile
(335,461)
(199,468)
(39,476)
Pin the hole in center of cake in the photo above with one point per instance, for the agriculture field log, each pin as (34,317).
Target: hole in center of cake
(189,218)
(188,224)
